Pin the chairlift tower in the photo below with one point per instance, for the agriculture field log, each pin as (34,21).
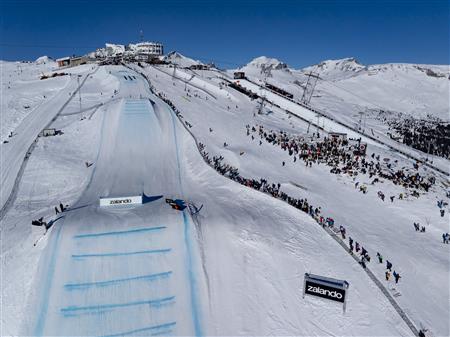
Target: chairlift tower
(362,121)
(309,88)
(174,70)
(267,71)
(262,104)
(318,123)
(79,90)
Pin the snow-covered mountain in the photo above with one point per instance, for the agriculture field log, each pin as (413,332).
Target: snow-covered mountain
(346,87)
(265,62)
(406,88)
(237,266)
(44,60)
(337,69)
(180,60)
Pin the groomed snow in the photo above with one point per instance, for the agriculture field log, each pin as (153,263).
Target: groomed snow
(235,269)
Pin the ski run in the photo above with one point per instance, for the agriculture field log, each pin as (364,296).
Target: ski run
(242,189)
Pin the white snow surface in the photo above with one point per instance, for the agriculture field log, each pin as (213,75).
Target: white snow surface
(44,60)
(347,87)
(235,269)
(263,62)
(337,69)
(180,60)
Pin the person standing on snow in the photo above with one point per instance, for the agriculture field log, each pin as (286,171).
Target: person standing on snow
(396,276)
(363,262)
(363,251)
(388,275)
(342,230)
(388,265)
(380,257)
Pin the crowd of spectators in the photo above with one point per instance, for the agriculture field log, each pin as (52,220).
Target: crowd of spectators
(430,135)
(273,189)
(329,151)
(344,157)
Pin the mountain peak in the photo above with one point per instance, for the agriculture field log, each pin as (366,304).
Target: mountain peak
(344,64)
(43,60)
(264,62)
(175,57)
(340,68)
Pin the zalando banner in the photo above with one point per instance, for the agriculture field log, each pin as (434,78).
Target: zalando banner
(320,290)
(121,201)
(325,287)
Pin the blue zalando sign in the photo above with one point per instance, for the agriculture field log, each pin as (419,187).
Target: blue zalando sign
(326,287)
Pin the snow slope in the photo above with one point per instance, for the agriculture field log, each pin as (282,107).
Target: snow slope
(377,225)
(23,92)
(235,269)
(337,69)
(180,60)
(399,87)
(44,184)
(122,267)
(346,87)
(264,62)
(44,60)
(14,152)
(359,95)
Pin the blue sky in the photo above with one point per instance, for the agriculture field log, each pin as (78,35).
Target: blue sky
(231,33)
